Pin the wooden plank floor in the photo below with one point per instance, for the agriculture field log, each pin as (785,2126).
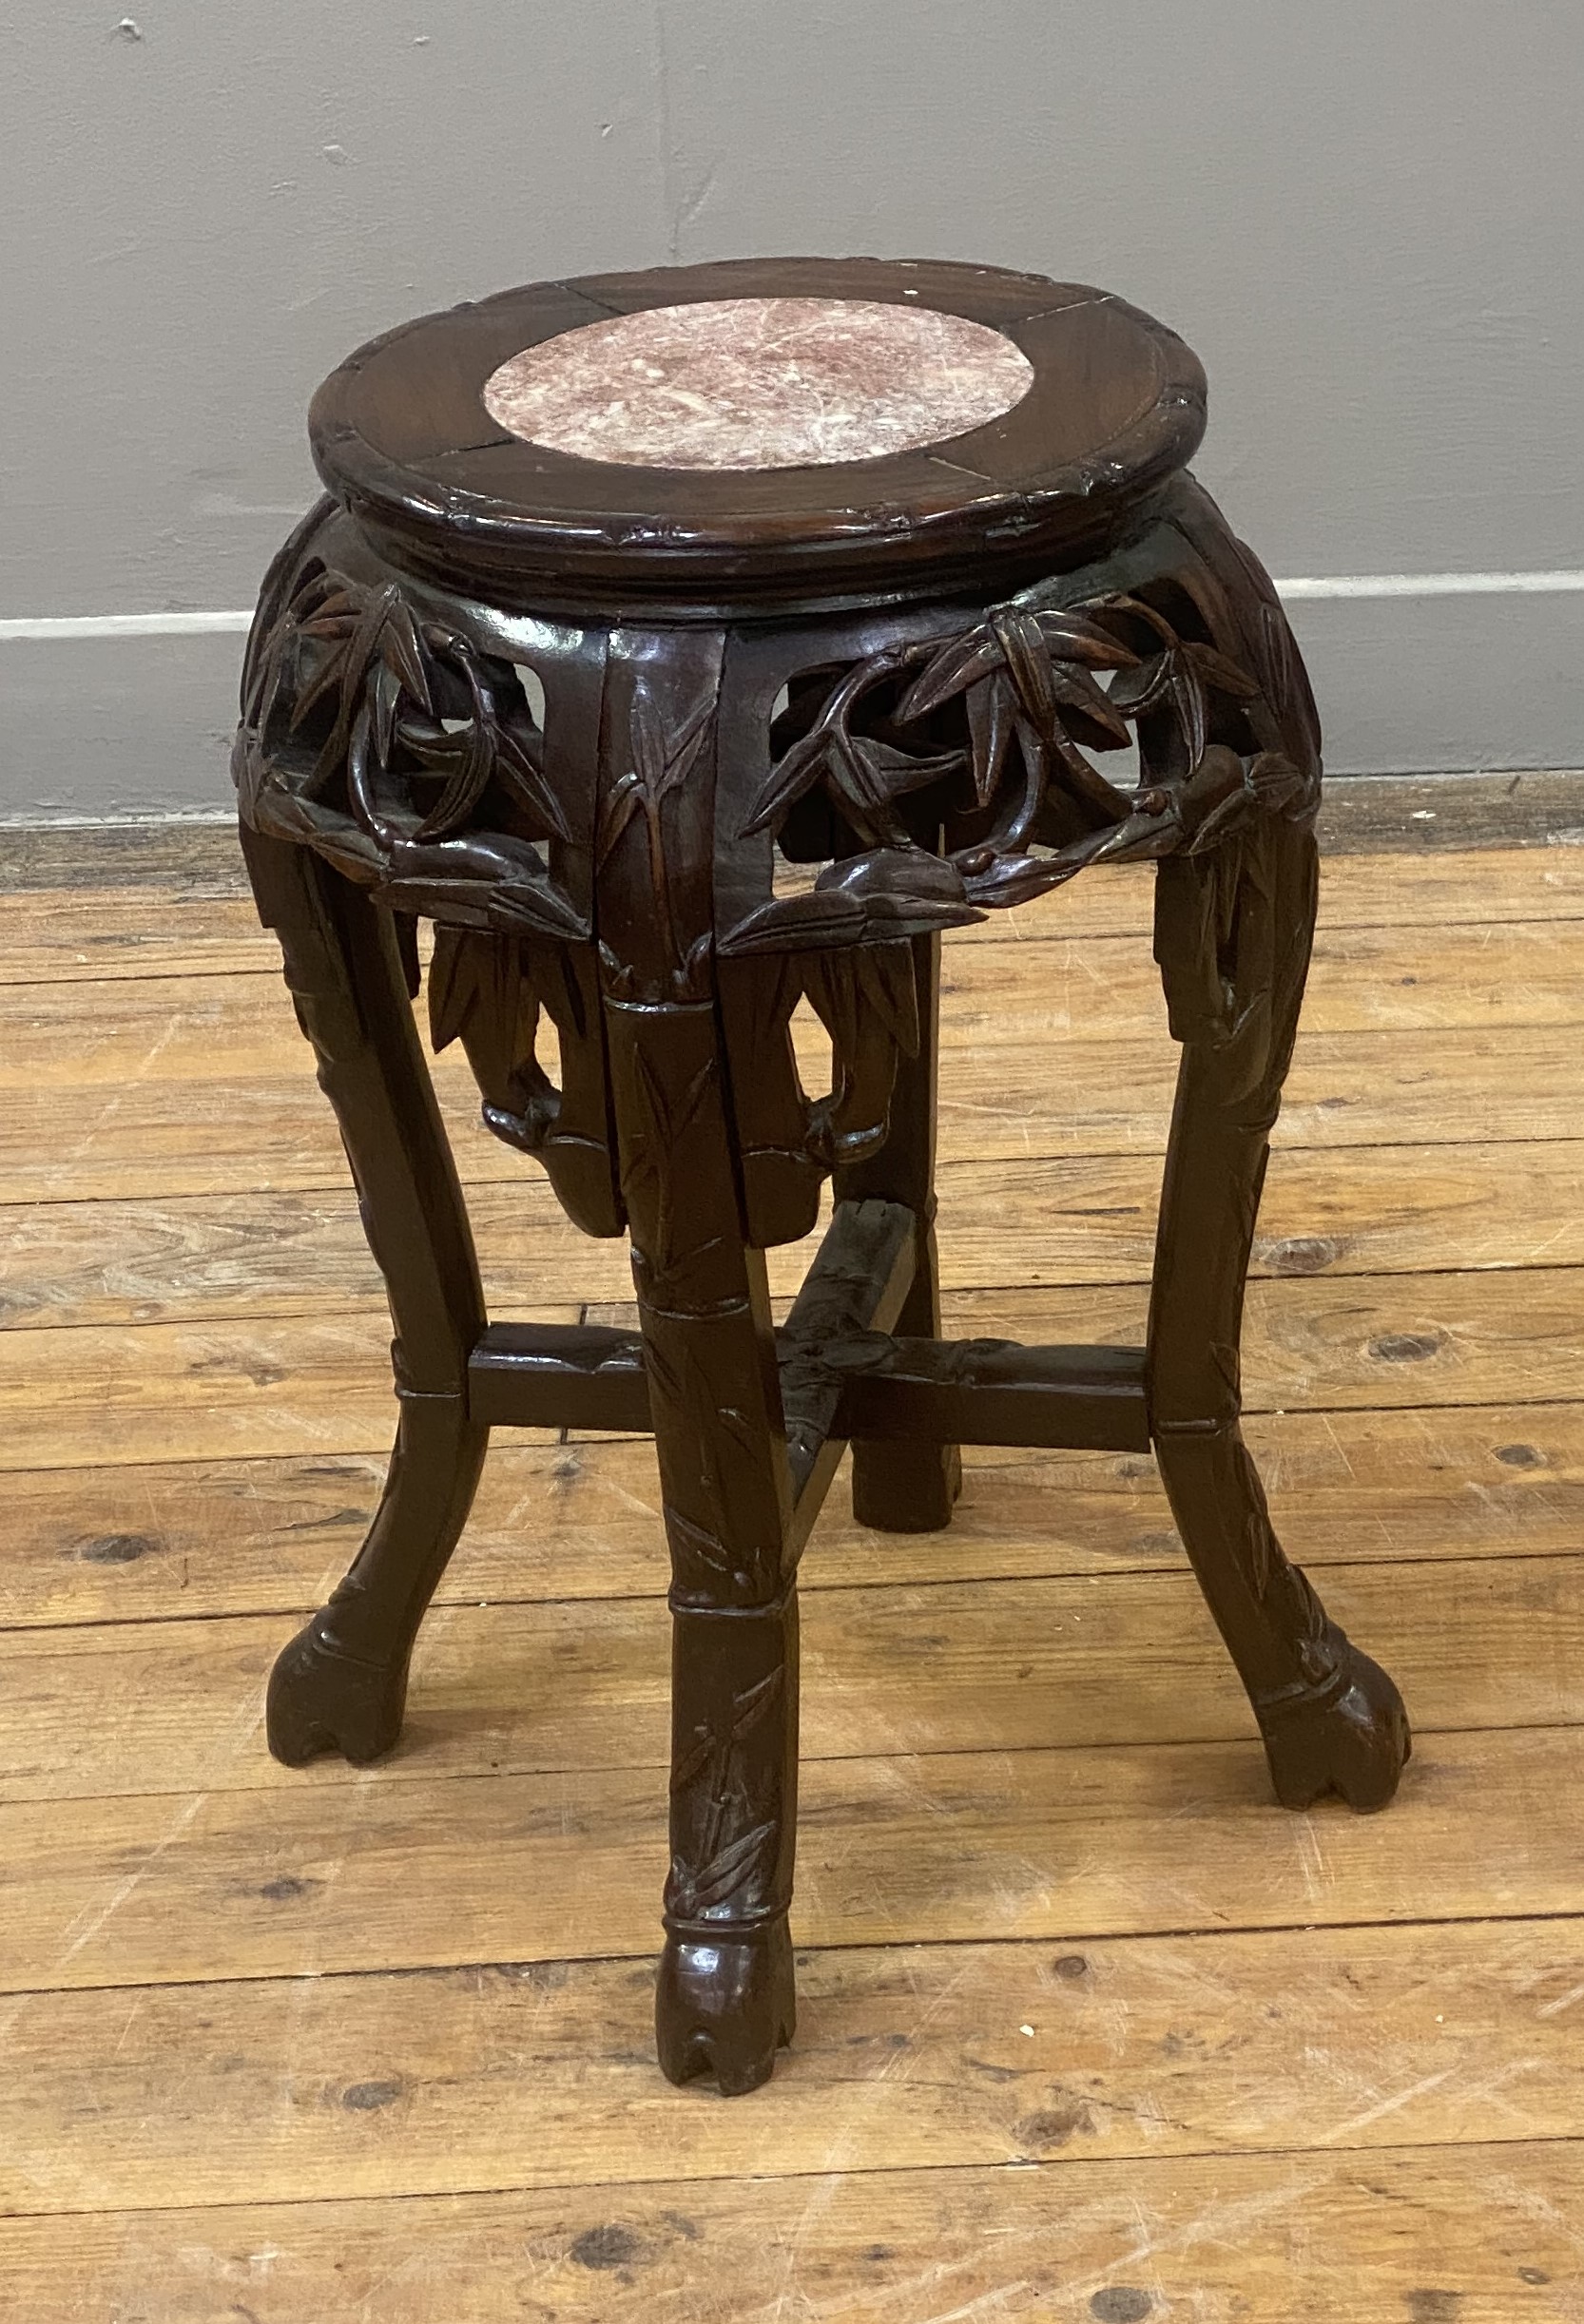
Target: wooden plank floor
(1091,2032)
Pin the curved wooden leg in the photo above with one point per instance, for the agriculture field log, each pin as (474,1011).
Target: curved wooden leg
(341,1684)
(909,1487)
(1331,1719)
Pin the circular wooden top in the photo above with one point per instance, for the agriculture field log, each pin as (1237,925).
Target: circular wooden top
(930,424)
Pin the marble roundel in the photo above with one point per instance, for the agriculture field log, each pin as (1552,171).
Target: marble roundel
(759,383)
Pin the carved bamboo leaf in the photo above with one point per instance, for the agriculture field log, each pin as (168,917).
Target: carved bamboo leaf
(451,988)
(621,804)
(266,651)
(370,629)
(482,881)
(331,673)
(387,693)
(959,663)
(1214,799)
(1076,691)
(686,749)
(701,1544)
(533,903)
(491,1004)
(1072,637)
(693,1761)
(1276,783)
(991,720)
(285,816)
(469,754)
(693,1098)
(750,1707)
(891,991)
(880,772)
(400,652)
(478,991)
(1219,671)
(1225,818)
(1137,691)
(848,766)
(1015,879)
(1277,652)
(889,893)
(657,1110)
(797,771)
(516,764)
(1187,700)
(743,1864)
(359,776)
(1028,660)
(648,738)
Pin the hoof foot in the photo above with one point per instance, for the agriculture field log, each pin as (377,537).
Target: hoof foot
(1350,1734)
(321,1698)
(724,2009)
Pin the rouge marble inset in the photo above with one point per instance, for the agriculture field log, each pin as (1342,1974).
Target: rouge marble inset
(755,383)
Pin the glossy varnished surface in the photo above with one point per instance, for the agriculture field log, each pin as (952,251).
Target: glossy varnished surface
(593,816)
(400,432)
(596,815)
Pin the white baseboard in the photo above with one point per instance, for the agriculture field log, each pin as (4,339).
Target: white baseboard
(106,716)
(42,628)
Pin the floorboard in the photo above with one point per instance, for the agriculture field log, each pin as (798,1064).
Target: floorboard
(908,2057)
(1091,2032)
(1470,2234)
(272,1534)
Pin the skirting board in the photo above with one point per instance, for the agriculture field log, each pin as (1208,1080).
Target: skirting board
(115,727)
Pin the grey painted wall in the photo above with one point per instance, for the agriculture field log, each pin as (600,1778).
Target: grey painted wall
(1363,214)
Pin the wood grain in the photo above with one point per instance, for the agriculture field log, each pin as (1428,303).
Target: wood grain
(155,1392)
(354,1876)
(74,935)
(199,927)
(146,1392)
(198,1091)
(463,2080)
(1362,980)
(1285,2060)
(1489,2232)
(1011,1666)
(1090,1220)
(272,1535)
(195,1027)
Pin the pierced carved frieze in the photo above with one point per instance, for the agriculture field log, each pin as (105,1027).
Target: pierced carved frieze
(405,756)
(490,991)
(789,1141)
(991,731)
(940,774)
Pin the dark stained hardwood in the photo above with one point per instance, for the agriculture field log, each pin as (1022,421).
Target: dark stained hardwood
(402,437)
(909,678)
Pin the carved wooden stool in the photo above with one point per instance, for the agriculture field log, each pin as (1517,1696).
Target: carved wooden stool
(630,596)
